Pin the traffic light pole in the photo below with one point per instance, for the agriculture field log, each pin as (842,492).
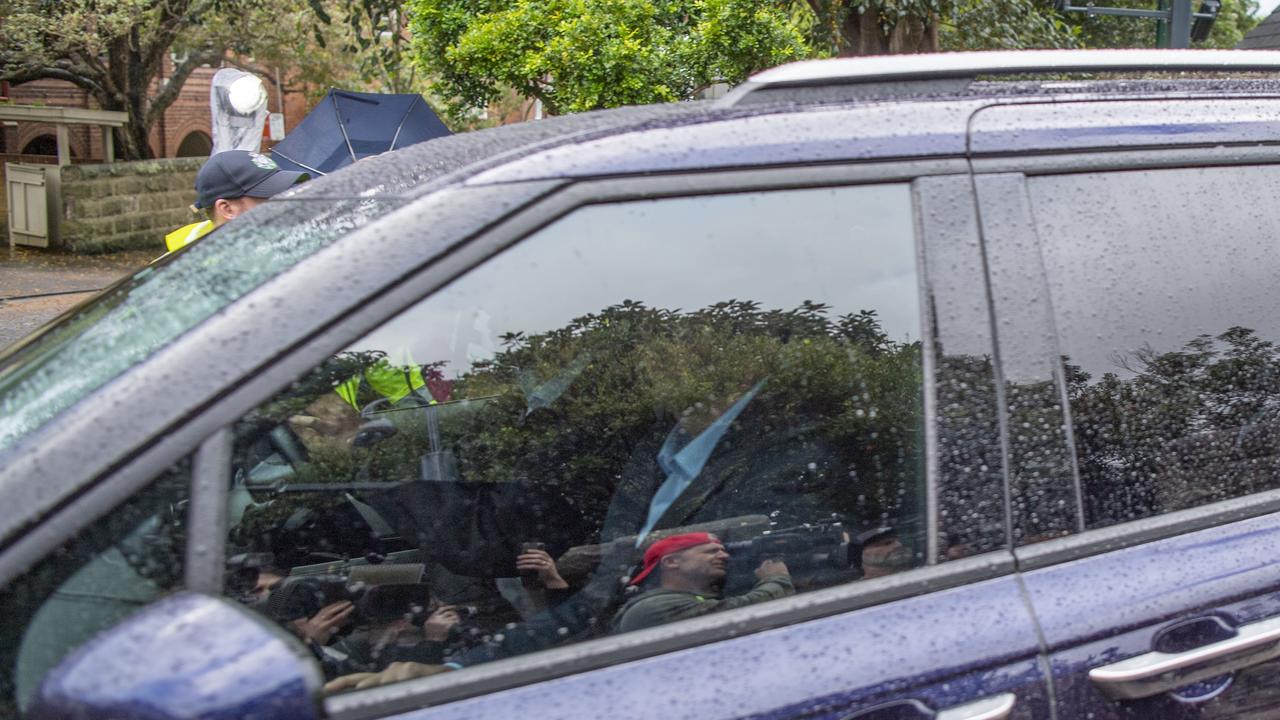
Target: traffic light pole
(1162,28)
(1174,17)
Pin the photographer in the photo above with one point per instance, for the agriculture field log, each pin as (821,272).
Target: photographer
(393,637)
(251,577)
(691,568)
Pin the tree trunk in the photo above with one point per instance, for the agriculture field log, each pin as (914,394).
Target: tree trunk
(135,139)
(862,34)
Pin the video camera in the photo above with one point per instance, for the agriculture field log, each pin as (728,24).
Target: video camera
(380,591)
(304,596)
(822,545)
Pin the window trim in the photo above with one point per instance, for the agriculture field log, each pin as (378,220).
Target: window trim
(1004,207)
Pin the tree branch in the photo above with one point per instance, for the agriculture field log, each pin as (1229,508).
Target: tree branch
(173,86)
(23,75)
(159,43)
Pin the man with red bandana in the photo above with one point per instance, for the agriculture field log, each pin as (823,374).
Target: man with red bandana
(690,570)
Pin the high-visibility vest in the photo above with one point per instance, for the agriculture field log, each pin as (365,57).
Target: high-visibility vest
(392,382)
(187,234)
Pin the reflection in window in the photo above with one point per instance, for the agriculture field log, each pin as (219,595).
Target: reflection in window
(645,412)
(121,327)
(1168,316)
(128,559)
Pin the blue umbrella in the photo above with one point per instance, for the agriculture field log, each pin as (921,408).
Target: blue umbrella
(347,126)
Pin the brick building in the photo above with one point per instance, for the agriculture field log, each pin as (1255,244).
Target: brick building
(183,130)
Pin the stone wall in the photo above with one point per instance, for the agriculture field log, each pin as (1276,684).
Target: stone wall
(126,205)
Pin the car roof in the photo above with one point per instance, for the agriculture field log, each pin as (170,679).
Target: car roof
(895,109)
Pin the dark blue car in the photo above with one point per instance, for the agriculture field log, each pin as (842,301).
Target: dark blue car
(879,388)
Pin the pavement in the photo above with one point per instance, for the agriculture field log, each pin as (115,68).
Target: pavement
(38,285)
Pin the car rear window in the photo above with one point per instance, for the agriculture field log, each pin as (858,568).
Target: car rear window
(132,320)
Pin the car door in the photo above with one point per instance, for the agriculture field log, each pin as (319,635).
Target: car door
(1135,295)
(804,355)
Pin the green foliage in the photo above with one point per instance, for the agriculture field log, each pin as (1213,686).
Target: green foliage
(836,421)
(1185,427)
(373,36)
(840,385)
(1007,25)
(576,55)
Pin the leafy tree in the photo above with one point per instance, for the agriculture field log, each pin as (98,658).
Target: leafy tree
(1180,428)
(576,55)
(115,49)
(878,27)
(837,391)
(834,426)
(1006,25)
(372,36)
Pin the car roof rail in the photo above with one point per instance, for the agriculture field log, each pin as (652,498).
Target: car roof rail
(898,75)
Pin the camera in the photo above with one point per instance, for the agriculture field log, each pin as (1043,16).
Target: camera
(374,603)
(825,544)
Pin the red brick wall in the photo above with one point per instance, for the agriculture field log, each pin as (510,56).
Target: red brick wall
(189,113)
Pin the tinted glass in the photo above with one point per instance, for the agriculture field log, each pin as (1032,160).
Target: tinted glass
(483,475)
(1163,287)
(160,302)
(129,558)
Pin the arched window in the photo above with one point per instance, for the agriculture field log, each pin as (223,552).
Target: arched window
(41,145)
(195,144)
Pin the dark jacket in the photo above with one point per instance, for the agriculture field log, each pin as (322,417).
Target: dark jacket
(661,606)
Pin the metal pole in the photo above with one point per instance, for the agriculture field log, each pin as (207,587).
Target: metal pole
(1162,26)
(279,95)
(1180,25)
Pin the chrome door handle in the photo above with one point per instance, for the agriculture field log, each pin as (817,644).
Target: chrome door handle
(996,707)
(1159,672)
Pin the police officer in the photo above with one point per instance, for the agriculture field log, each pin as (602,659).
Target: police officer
(229,184)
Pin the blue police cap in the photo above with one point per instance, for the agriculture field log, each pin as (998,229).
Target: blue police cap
(234,174)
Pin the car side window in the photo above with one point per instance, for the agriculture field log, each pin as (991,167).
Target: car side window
(1163,292)
(129,558)
(645,412)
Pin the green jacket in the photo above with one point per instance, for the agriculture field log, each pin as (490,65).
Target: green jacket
(660,606)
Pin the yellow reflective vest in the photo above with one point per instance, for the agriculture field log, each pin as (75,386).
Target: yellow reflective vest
(187,234)
(392,382)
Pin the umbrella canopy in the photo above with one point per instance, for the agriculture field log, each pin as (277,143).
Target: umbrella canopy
(347,126)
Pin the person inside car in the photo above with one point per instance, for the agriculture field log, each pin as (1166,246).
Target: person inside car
(690,569)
